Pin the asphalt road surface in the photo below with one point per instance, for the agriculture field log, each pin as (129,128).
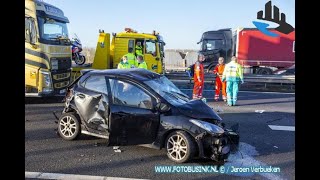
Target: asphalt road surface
(267,138)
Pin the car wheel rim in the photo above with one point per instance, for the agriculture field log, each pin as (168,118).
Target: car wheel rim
(68,126)
(177,147)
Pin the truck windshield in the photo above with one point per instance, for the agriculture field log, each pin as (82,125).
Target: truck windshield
(212,44)
(52,31)
(166,89)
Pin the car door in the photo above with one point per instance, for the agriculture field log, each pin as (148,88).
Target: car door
(91,100)
(133,118)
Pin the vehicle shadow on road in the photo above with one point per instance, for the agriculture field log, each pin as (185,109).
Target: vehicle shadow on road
(274,102)
(43,100)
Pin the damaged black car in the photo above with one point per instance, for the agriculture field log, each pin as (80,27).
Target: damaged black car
(137,106)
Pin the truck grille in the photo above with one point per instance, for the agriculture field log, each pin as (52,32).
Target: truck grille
(61,76)
(63,62)
(61,79)
(61,84)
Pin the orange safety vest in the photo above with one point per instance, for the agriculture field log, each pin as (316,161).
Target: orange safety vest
(219,69)
(198,72)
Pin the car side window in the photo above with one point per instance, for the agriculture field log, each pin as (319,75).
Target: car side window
(124,93)
(96,83)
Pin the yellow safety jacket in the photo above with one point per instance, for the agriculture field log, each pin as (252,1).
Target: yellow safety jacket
(131,59)
(139,50)
(232,72)
(123,65)
(143,65)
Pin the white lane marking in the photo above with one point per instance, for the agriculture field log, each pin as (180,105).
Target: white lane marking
(41,175)
(266,92)
(282,128)
(246,159)
(259,111)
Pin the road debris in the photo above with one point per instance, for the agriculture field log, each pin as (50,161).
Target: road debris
(116,149)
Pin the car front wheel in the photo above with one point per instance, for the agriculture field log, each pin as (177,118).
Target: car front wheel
(180,146)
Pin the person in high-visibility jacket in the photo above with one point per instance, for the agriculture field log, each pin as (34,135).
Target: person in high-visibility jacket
(218,71)
(233,74)
(198,77)
(138,49)
(141,62)
(131,58)
(124,63)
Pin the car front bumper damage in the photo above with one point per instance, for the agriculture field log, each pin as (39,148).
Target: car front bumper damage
(217,147)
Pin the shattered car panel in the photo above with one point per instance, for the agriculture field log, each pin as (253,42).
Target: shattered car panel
(98,113)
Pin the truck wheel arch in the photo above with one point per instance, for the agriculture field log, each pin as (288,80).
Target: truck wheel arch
(264,71)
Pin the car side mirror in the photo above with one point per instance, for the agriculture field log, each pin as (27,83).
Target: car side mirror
(162,107)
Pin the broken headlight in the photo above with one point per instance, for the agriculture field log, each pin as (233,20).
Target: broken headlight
(211,128)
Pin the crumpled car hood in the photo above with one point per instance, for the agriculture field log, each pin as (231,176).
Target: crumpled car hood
(198,109)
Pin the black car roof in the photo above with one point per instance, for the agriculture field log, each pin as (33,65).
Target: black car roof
(139,74)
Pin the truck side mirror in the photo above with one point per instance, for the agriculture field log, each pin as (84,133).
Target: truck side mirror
(27,35)
(32,39)
(32,33)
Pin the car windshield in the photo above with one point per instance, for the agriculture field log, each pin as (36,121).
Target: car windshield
(166,89)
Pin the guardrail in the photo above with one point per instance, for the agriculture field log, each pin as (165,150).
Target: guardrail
(209,77)
(251,81)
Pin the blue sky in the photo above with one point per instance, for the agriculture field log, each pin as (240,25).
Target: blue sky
(180,22)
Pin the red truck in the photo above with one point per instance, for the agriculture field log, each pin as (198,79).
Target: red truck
(256,52)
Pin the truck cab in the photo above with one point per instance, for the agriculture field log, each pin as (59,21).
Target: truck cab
(215,44)
(47,49)
(256,52)
(152,48)
(108,55)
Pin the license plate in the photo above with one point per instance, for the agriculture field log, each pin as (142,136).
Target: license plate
(62,91)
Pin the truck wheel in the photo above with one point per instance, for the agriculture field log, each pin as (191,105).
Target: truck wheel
(264,71)
(180,146)
(80,60)
(69,126)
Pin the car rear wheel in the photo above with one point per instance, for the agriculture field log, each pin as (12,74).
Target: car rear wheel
(180,146)
(68,126)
